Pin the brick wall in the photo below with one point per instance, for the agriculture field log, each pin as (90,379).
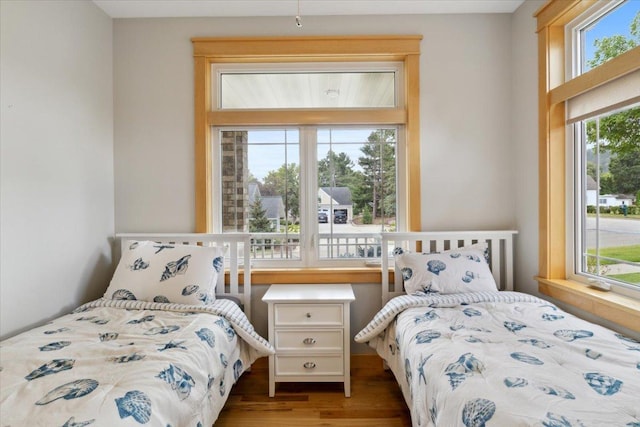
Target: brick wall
(235,172)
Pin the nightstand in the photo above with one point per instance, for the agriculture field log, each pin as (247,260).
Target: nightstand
(309,328)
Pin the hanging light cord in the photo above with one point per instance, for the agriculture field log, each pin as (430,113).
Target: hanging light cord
(298,18)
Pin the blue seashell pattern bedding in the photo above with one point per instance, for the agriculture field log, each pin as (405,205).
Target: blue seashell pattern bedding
(125,362)
(505,359)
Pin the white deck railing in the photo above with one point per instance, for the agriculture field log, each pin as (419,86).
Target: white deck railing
(280,246)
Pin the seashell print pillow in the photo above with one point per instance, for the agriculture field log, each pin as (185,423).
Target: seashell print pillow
(453,271)
(150,271)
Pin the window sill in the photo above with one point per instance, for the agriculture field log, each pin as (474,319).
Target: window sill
(620,309)
(317,275)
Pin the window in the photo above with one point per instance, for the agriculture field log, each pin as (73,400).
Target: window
(606,155)
(607,161)
(604,33)
(351,173)
(582,109)
(335,128)
(265,86)
(356,178)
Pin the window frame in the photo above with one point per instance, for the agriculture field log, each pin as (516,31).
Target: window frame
(339,49)
(576,159)
(573,30)
(317,66)
(555,189)
(401,195)
(575,155)
(309,256)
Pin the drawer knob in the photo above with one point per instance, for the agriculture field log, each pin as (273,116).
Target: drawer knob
(309,365)
(309,341)
(308,315)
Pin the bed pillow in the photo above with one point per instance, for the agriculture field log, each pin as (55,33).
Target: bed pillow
(454,271)
(150,271)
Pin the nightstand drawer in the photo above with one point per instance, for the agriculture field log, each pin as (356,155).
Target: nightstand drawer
(308,314)
(309,366)
(312,340)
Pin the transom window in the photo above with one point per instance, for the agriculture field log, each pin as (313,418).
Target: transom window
(610,29)
(324,85)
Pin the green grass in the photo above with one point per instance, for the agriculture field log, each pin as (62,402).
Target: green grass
(633,278)
(626,253)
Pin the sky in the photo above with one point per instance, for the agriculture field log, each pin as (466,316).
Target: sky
(267,148)
(616,22)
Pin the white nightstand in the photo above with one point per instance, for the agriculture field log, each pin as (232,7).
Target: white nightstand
(309,328)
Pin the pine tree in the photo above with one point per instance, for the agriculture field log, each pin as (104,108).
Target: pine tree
(258,221)
(378,165)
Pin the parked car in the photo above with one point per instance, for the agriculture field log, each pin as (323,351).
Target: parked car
(323,217)
(340,218)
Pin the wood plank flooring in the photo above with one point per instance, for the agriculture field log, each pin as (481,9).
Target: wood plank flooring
(376,400)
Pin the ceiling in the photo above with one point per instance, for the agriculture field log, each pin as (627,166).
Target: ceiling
(228,8)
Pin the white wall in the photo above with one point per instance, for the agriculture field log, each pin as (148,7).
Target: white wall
(524,125)
(56,170)
(466,144)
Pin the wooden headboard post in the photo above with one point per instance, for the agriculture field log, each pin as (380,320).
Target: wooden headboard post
(500,244)
(237,258)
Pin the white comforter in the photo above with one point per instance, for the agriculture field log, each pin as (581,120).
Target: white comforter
(126,363)
(505,359)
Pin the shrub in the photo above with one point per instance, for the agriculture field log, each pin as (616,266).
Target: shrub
(366,216)
(294,228)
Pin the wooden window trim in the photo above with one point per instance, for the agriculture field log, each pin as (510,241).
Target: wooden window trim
(361,275)
(553,90)
(207,51)
(284,117)
(614,307)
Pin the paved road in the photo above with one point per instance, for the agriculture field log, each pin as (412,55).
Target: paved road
(614,231)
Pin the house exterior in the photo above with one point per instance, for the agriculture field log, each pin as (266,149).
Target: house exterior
(605,200)
(610,200)
(592,191)
(335,200)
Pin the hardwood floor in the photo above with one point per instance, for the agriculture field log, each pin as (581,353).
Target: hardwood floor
(376,400)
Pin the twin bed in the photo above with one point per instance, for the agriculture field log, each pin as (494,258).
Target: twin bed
(464,353)
(169,338)
(163,346)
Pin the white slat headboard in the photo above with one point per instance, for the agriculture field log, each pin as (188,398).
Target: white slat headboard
(237,258)
(500,253)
